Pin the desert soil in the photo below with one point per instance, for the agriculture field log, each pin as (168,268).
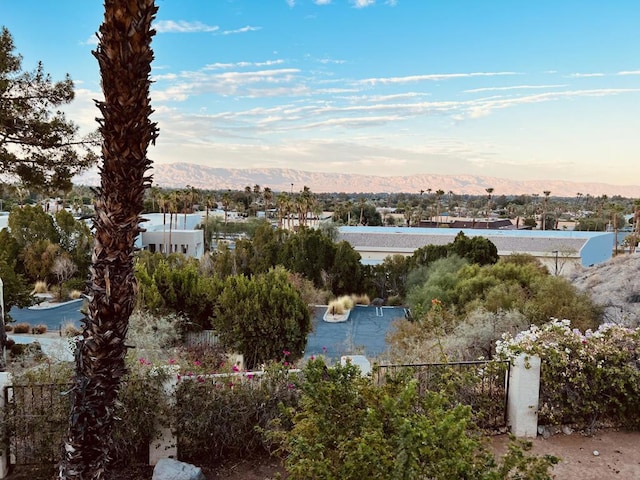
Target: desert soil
(618,457)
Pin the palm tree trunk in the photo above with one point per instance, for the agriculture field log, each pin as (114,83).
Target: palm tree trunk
(124,55)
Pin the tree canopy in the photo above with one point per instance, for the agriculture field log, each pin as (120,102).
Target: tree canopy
(39,146)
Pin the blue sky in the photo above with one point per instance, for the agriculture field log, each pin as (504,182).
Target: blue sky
(545,89)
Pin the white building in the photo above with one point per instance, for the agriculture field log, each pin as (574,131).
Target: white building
(560,251)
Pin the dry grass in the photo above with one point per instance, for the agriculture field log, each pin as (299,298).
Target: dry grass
(70,330)
(361,299)
(75,294)
(336,307)
(347,302)
(21,328)
(39,329)
(40,287)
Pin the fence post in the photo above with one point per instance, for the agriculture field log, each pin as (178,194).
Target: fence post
(5,381)
(166,444)
(524,391)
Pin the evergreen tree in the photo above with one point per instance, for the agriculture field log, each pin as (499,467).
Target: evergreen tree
(38,145)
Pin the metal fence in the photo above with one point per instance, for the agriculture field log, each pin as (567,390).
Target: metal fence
(35,422)
(483,385)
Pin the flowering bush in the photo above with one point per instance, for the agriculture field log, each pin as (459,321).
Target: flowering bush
(224,415)
(586,378)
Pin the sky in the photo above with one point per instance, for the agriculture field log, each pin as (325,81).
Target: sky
(527,90)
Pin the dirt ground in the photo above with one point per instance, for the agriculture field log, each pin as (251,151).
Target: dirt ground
(607,454)
(618,457)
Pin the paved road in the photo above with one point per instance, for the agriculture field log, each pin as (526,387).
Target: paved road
(53,317)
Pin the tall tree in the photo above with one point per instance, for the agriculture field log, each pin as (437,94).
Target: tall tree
(124,55)
(38,145)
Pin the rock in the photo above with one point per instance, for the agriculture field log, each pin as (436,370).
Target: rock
(567,430)
(596,453)
(377,302)
(170,469)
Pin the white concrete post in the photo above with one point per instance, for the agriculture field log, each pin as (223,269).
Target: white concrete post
(524,391)
(5,380)
(166,444)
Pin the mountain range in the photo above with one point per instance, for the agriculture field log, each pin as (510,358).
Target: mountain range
(179,175)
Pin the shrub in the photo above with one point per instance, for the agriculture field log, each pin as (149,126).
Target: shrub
(39,329)
(152,333)
(8,327)
(361,299)
(225,417)
(75,294)
(262,316)
(585,378)
(40,287)
(346,427)
(75,284)
(347,302)
(335,307)
(21,328)
(395,301)
(70,330)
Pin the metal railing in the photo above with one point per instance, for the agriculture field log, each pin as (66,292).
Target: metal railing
(483,385)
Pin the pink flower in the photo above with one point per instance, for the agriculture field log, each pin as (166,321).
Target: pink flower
(249,376)
(286,364)
(142,361)
(200,379)
(286,353)
(172,361)
(197,363)
(312,357)
(235,368)
(178,376)
(190,374)
(291,386)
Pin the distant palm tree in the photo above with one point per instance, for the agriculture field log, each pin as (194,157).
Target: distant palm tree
(124,55)
(544,209)
(267,194)
(489,192)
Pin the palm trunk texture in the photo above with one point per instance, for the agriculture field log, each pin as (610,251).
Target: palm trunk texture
(124,55)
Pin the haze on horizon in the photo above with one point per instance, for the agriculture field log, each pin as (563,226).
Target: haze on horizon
(518,90)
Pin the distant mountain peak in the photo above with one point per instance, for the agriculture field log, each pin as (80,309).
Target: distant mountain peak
(178,175)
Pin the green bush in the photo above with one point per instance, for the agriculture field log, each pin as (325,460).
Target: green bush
(586,379)
(348,428)
(262,316)
(75,284)
(224,417)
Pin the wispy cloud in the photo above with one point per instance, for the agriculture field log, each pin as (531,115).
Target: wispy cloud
(225,66)
(92,40)
(586,75)
(250,83)
(362,3)
(291,3)
(330,61)
(430,77)
(512,87)
(629,72)
(322,2)
(248,28)
(182,26)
